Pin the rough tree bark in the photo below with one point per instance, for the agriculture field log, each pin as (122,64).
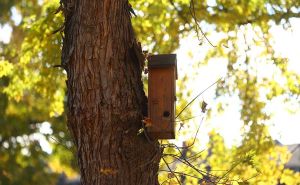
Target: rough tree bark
(105,94)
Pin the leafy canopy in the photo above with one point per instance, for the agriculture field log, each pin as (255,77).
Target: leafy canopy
(32,92)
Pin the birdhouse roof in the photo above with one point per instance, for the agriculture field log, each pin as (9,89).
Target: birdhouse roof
(163,61)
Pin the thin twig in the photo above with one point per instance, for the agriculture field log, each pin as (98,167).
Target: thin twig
(194,140)
(58,142)
(60,29)
(193,13)
(182,173)
(201,172)
(171,171)
(197,97)
(184,147)
(189,118)
(188,158)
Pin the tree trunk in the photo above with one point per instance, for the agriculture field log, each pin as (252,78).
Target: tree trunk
(105,94)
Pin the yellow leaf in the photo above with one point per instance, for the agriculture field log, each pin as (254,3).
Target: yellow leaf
(5,68)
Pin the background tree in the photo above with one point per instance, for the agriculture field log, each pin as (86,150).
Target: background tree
(33,92)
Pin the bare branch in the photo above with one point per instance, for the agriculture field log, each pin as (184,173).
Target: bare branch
(171,170)
(197,97)
(193,13)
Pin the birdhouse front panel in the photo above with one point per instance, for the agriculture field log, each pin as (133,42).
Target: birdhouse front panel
(161,100)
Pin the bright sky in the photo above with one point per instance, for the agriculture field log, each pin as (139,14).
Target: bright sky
(5,32)
(284,125)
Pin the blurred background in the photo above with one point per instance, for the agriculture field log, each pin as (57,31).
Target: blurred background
(248,132)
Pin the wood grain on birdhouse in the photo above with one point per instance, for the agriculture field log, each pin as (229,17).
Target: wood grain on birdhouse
(162,95)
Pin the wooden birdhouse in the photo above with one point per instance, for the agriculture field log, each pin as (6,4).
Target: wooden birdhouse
(162,95)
